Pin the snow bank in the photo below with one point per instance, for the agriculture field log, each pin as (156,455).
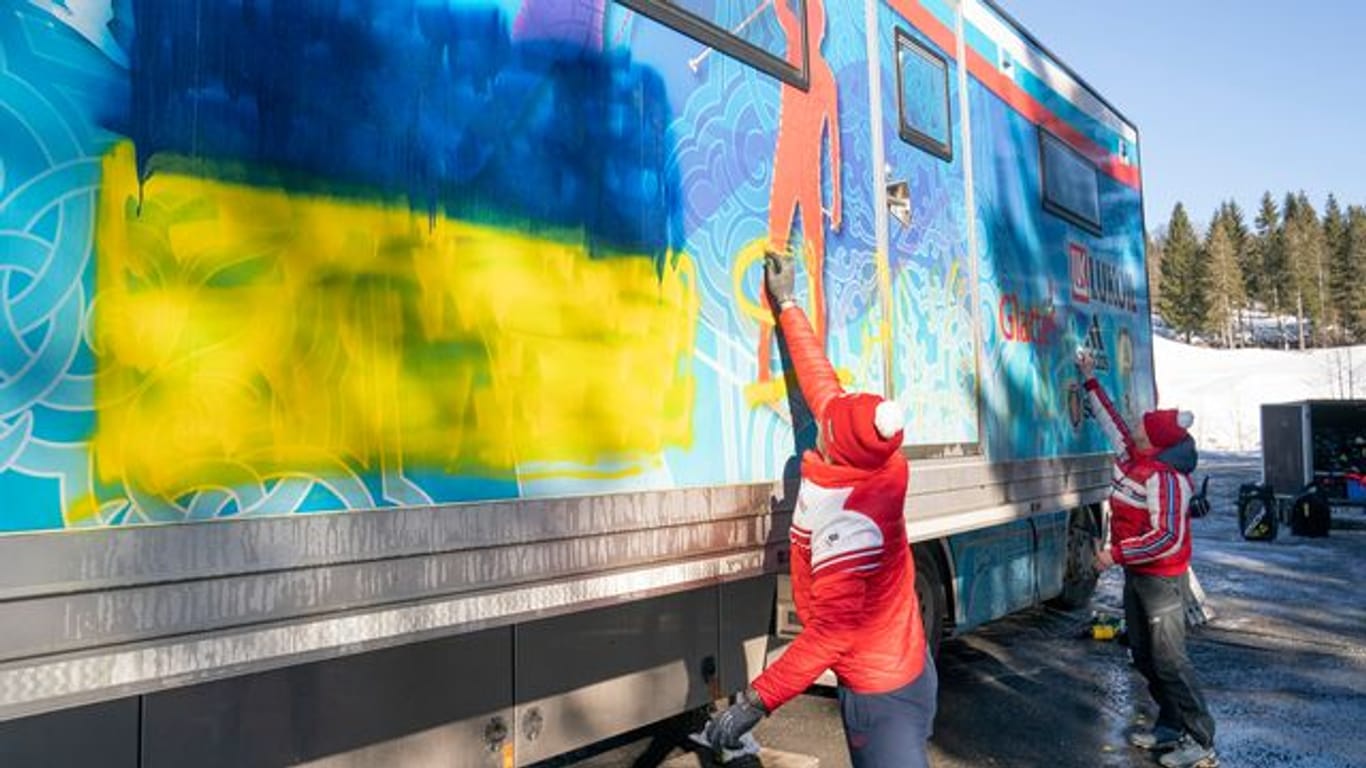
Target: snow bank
(1227,387)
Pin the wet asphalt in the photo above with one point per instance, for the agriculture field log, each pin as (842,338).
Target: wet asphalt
(1283,663)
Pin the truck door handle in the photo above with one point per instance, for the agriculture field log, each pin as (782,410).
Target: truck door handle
(899,202)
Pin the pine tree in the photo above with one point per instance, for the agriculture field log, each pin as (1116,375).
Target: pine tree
(1244,253)
(1184,277)
(1304,249)
(1292,250)
(1154,248)
(1351,267)
(1272,285)
(1338,276)
(1225,277)
(1237,225)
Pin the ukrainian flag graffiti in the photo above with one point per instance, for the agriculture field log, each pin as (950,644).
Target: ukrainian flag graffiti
(335,256)
(250,334)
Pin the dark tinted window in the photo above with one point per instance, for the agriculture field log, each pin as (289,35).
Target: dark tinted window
(769,35)
(922,84)
(1071,184)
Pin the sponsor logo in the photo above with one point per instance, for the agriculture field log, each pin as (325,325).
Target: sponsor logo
(1124,352)
(1076,406)
(1080,261)
(1100,281)
(1095,344)
(1024,323)
(1124,361)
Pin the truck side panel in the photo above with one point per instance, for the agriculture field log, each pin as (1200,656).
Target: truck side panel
(1053,281)
(274,258)
(483,277)
(108,736)
(933,346)
(332,259)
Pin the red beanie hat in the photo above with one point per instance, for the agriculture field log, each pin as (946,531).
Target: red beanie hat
(1167,427)
(862,430)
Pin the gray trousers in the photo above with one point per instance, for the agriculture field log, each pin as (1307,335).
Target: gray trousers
(890,730)
(1154,610)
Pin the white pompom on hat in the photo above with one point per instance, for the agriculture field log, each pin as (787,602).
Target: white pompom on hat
(1168,426)
(889,418)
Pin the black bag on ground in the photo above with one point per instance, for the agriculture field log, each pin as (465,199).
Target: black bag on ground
(1310,514)
(1256,512)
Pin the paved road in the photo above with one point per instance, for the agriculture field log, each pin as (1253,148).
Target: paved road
(1283,662)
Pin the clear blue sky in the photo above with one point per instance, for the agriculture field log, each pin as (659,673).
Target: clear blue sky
(1230,98)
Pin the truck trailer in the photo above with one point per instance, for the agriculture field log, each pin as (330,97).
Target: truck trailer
(390,382)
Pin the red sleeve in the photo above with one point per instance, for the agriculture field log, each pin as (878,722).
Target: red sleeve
(837,608)
(815,376)
(840,567)
(1111,423)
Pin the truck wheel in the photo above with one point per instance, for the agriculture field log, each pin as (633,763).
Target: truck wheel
(929,592)
(1079,580)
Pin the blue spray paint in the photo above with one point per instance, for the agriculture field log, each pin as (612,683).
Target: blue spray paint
(433,103)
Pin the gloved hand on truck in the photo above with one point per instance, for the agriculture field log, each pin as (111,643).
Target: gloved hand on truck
(728,726)
(780,275)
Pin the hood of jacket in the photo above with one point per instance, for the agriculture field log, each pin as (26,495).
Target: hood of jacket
(1181,457)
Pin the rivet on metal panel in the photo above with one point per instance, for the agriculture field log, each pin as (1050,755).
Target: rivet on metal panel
(532,724)
(710,677)
(495,733)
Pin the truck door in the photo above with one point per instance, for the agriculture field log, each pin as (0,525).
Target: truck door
(924,228)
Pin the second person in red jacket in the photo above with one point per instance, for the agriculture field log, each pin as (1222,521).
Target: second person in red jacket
(853,578)
(1151,534)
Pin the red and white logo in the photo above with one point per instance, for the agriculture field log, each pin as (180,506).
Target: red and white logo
(1080,260)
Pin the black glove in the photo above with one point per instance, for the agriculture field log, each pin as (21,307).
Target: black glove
(726,728)
(780,275)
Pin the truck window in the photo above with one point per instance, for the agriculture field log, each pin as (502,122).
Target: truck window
(1071,183)
(922,86)
(769,35)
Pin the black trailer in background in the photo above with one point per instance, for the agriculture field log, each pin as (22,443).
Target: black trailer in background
(1320,443)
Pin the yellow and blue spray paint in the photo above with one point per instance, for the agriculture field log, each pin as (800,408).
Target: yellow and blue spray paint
(250,334)
(348,255)
(403,253)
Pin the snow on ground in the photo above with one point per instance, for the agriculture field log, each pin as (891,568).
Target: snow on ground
(1225,388)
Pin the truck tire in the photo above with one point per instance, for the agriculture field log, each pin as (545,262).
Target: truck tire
(929,592)
(1079,579)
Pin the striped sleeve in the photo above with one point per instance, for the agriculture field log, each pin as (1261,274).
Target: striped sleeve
(1111,423)
(1168,497)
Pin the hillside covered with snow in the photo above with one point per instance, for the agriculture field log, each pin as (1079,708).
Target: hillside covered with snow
(1226,388)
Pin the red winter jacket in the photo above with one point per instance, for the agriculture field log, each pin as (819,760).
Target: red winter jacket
(852,575)
(1150,529)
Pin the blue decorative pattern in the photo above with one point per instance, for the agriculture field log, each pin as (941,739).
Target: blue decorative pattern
(49,177)
(692,137)
(1032,404)
(934,357)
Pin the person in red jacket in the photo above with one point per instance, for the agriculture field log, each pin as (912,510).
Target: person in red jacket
(853,578)
(1151,538)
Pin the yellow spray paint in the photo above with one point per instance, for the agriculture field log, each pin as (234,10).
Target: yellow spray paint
(774,391)
(250,333)
(884,289)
